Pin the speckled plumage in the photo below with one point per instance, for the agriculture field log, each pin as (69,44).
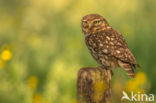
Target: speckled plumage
(106,45)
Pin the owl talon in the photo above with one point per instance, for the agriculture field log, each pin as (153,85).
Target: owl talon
(112,73)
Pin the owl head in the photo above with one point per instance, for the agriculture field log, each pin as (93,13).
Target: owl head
(93,23)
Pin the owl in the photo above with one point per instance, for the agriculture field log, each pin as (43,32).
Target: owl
(106,45)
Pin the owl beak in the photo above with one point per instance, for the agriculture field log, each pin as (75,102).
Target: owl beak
(90,26)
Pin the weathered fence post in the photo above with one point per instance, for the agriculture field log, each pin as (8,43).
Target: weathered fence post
(94,85)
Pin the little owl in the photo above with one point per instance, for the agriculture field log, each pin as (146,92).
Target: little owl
(106,45)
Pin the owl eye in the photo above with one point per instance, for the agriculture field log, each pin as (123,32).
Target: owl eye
(85,22)
(96,22)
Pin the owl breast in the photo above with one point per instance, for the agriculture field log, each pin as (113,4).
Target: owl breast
(98,46)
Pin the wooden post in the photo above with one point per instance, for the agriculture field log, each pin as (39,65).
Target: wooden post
(94,85)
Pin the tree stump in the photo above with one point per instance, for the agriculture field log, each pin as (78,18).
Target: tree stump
(94,85)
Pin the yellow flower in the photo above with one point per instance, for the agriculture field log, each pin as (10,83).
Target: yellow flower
(6,55)
(37,98)
(131,86)
(141,78)
(135,84)
(33,82)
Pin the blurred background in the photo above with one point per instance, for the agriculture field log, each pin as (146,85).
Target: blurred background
(42,47)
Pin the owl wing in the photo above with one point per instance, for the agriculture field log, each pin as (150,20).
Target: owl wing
(115,45)
(111,43)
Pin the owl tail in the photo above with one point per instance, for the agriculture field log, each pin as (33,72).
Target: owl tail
(128,68)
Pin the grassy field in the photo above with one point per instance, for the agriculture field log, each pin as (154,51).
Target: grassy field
(42,47)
